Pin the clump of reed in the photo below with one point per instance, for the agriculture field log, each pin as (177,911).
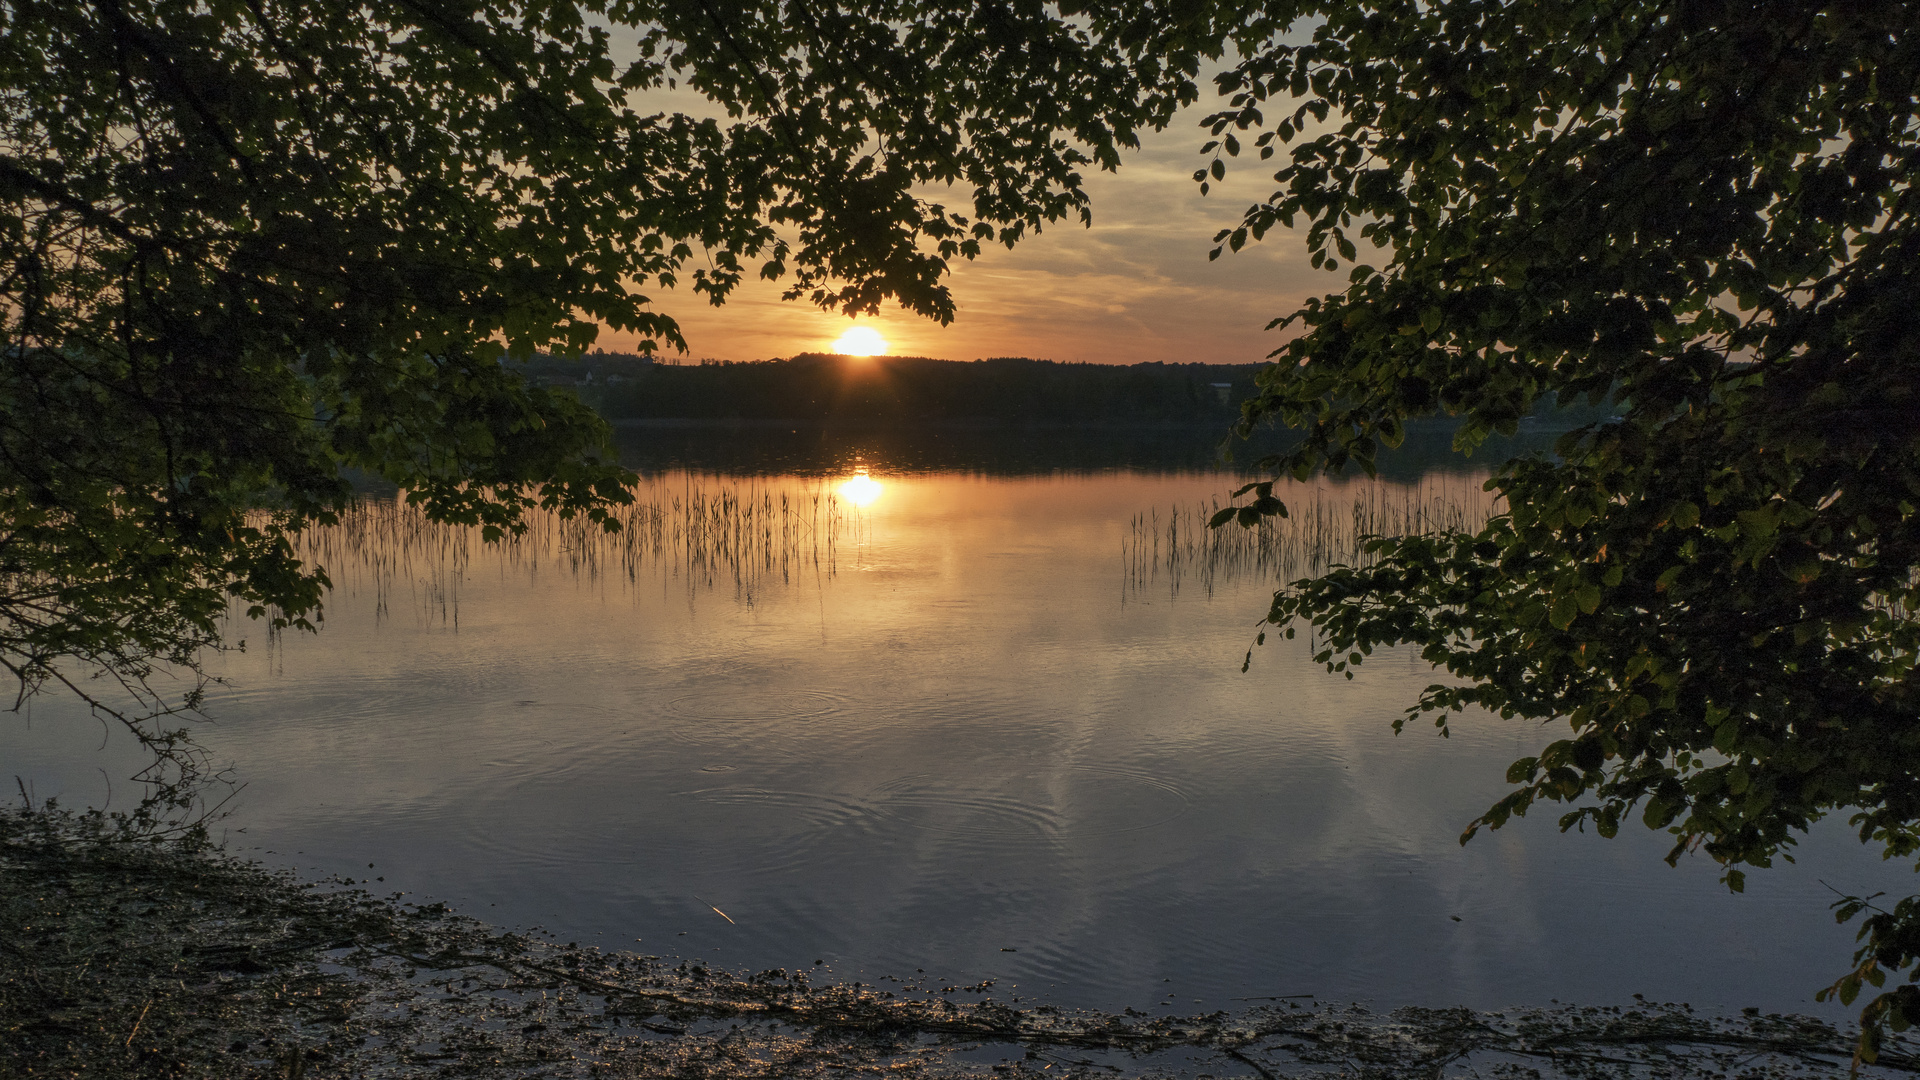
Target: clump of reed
(744,535)
(1327,524)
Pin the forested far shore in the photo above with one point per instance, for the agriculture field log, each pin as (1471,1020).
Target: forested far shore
(813,386)
(821,387)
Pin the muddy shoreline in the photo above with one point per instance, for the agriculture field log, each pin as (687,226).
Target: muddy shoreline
(131,954)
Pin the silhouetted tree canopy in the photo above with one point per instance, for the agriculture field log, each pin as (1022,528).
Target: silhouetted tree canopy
(1705,210)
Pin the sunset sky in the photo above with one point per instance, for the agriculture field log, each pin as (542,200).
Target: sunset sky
(1135,287)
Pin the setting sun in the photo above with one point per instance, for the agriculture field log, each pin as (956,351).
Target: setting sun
(861,341)
(860,490)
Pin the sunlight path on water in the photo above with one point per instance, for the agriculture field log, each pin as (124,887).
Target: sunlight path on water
(984,727)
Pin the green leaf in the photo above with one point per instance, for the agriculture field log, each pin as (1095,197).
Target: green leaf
(1565,609)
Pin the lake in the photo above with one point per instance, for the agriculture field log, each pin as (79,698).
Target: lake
(870,705)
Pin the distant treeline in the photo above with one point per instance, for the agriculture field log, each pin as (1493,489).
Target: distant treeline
(596,368)
(817,387)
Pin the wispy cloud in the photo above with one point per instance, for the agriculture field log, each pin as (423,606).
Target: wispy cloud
(1136,286)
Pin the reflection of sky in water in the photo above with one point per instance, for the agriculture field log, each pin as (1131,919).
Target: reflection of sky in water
(958,732)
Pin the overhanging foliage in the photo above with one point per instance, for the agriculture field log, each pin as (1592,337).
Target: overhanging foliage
(1704,211)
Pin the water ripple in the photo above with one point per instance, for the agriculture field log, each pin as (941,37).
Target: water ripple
(763,718)
(1031,804)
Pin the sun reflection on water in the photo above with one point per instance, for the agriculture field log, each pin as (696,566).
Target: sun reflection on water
(861,489)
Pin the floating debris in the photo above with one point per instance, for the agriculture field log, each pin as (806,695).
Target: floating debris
(718,912)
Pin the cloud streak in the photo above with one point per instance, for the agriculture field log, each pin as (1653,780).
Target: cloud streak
(1134,287)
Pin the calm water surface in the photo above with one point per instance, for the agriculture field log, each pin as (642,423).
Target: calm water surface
(988,727)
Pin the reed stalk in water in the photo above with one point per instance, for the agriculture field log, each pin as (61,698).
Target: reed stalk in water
(1172,547)
(745,535)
